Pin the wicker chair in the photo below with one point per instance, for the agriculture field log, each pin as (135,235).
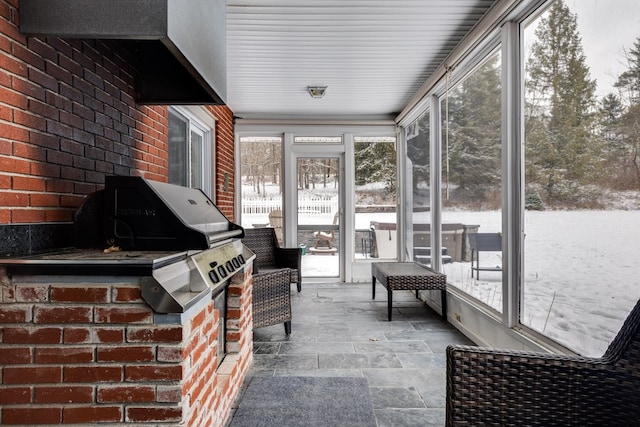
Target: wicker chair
(270,256)
(517,388)
(271,299)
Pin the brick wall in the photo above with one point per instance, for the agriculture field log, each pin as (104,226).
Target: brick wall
(225,165)
(94,352)
(68,117)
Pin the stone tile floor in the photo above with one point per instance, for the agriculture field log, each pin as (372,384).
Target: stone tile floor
(338,330)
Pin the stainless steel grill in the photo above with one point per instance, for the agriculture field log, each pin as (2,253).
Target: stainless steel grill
(175,239)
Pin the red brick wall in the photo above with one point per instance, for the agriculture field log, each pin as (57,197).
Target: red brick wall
(88,352)
(68,117)
(224,160)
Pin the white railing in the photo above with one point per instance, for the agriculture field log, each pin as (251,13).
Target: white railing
(309,205)
(261,205)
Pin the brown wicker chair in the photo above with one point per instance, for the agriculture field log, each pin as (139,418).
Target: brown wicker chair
(270,256)
(517,388)
(271,299)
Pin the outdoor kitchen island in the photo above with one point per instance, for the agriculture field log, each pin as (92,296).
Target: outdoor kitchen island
(130,335)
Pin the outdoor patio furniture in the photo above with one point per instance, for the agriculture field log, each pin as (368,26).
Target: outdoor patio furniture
(270,256)
(385,239)
(484,242)
(397,276)
(506,387)
(271,299)
(275,220)
(325,238)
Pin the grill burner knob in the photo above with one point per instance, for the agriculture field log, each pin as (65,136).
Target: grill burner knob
(212,273)
(214,276)
(229,266)
(236,263)
(222,271)
(241,259)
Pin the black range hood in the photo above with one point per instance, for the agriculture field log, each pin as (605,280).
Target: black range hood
(178,46)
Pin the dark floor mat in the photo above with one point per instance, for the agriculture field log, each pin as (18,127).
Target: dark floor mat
(305,402)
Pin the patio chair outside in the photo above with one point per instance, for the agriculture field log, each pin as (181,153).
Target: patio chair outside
(505,387)
(275,220)
(484,242)
(325,238)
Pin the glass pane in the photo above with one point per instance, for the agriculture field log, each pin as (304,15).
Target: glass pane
(197,159)
(582,105)
(261,185)
(319,215)
(472,184)
(375,198)
(178,158)
(418,158)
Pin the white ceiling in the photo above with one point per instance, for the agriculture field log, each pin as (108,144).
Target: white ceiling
(372,54)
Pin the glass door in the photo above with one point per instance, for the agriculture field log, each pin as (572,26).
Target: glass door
(318,202)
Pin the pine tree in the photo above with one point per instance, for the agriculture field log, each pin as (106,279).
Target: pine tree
(375,162)
(629,81)
(418,156)
(474,134)
(628,126)
(561,149)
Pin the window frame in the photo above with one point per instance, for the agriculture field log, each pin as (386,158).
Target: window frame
(199,119)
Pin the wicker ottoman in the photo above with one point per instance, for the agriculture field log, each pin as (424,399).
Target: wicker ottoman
(397,276)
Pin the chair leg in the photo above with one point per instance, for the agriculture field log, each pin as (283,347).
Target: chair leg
(443,297)
(373,287)
(299,286)
(287,327)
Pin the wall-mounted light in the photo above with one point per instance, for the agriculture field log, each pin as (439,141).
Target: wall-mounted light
(316,91)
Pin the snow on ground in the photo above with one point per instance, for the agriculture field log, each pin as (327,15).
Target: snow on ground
(581,276)
(581,273)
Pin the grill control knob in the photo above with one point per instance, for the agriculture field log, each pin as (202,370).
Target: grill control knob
(214,276)
(222,271)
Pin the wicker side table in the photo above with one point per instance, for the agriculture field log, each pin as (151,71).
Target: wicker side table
(397,276)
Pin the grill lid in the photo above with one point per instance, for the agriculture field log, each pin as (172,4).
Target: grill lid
(139,214)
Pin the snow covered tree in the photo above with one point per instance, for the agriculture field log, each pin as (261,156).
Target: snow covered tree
(375,162)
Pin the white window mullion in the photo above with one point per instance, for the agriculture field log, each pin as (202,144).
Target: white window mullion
(512,166)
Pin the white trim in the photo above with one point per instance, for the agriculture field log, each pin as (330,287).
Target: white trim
(512,172)
(479,34)
(206,123)
(435,159)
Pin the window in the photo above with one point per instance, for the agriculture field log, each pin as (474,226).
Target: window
(375,197)
(190,154)
(472,182)
(418,167)
(582,81)
(261,183)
